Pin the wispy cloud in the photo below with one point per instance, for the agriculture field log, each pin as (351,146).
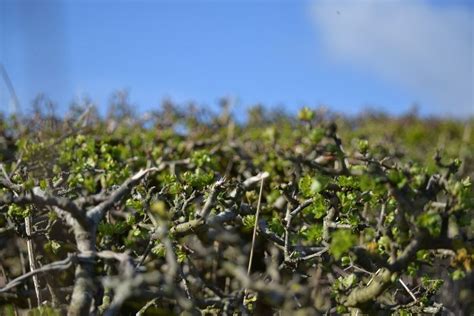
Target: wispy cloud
(424,48)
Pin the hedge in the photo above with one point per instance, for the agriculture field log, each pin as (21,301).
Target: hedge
(189,211)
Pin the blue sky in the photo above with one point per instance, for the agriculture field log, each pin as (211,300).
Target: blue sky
(348,55)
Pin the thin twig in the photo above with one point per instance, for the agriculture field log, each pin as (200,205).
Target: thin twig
(255,225)
(146,306)
(31,258)
(254,235)
(313,255)
(408,290)
(57,265)
(301,207)
(380,219)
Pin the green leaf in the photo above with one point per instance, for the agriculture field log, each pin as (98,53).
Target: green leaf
(43,184)
(314,233)
(276,225)
(346,261)
(318,208)
(305,114)
(309,186)
(349,280)
(199,178)
(53,246)
(458,274)
(413,269)
(431,221)
(249,222)
(202,158)
(431,285)
(397,177)
(19,212)
(363,145)
(316,135)
(180,255)
(159,250)
(341,241)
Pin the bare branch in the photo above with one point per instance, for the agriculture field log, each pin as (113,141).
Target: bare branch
(216,188)
(96,213)
(40,199)
(197,225)
(301,207)
(57,265)
(376,287)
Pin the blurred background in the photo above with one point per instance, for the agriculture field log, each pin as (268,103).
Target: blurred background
(388,56)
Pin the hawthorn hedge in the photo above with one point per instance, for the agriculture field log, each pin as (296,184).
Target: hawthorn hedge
(185,211)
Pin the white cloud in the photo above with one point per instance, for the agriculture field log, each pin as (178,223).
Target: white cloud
(427,49)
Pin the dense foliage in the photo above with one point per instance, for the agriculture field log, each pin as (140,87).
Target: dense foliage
(156,214)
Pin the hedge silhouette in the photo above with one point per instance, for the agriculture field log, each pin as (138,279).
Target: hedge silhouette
(185,211)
